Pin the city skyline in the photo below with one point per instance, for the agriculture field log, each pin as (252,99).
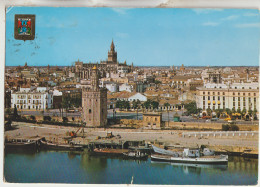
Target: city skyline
(211,37)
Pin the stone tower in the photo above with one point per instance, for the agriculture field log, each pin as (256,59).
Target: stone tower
(112,54)
(94,102)
(215,77)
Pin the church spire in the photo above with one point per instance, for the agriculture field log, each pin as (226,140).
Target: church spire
(112,46)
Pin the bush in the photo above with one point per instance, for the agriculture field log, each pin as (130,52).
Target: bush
(231,127)
(46,118)
(225,127)
(32,117)
(65,119)
(234,127)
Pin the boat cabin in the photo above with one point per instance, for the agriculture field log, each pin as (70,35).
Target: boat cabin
(193,153)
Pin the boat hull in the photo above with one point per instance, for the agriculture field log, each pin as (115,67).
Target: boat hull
(20,145)
(221,160)
(46,145)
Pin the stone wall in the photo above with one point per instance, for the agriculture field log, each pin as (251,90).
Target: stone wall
(209,126)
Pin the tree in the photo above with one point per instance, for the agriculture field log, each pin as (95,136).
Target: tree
(65,119)
(167,106)
(243,112)
(155,104)
(228,111)
(250,112)
(233,110)
(15,112)
(254,114)
(239,111)
(147,104)
(209,111)
(191,108)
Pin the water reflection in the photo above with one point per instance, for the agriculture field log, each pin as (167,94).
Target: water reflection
(93,163)
(25,152)
(191,168)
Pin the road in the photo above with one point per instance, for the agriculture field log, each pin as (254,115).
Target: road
(131,115)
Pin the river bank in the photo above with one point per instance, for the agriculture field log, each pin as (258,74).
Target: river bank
(165,138)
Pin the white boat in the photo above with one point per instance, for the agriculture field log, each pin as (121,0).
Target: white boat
(206,151)
(163,151)
(192,156)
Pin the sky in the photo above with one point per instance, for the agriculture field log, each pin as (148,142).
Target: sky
(144,36)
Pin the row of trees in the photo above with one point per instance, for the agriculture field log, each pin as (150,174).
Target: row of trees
(191,108)
(137,103)
(230,112)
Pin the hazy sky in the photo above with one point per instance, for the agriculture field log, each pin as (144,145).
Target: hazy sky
(142,36)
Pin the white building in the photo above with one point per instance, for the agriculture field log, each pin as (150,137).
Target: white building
(112,87)
(126,87)
(220,96)
(137,96)
(32,99)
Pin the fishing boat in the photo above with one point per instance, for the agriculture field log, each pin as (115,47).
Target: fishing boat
(135,154)
(56,146)
(192,156)
(20,143)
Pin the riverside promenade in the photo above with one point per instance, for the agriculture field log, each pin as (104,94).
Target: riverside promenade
(233,142)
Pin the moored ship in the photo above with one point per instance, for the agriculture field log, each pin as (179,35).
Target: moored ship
(56,146)
(192,156)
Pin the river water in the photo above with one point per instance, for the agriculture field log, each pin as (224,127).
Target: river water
(69,167)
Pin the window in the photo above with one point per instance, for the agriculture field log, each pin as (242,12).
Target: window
(213,93)
(89,111)
(203,93)
(154,124)
(155,119)
(218,93)
(203,97)
(208,93)
(244,94)
(223,93)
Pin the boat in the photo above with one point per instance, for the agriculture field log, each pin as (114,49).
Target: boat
(136,154)
(56,146)
(163,151)
(21,143)
(208,152)
(205,152)
(192,156)
(108,151)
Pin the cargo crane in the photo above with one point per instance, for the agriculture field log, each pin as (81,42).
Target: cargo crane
(74,134)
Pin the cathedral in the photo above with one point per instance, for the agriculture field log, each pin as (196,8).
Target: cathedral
(94,102)
(111,65)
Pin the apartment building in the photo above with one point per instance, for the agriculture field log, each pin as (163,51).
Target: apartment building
(39,98)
